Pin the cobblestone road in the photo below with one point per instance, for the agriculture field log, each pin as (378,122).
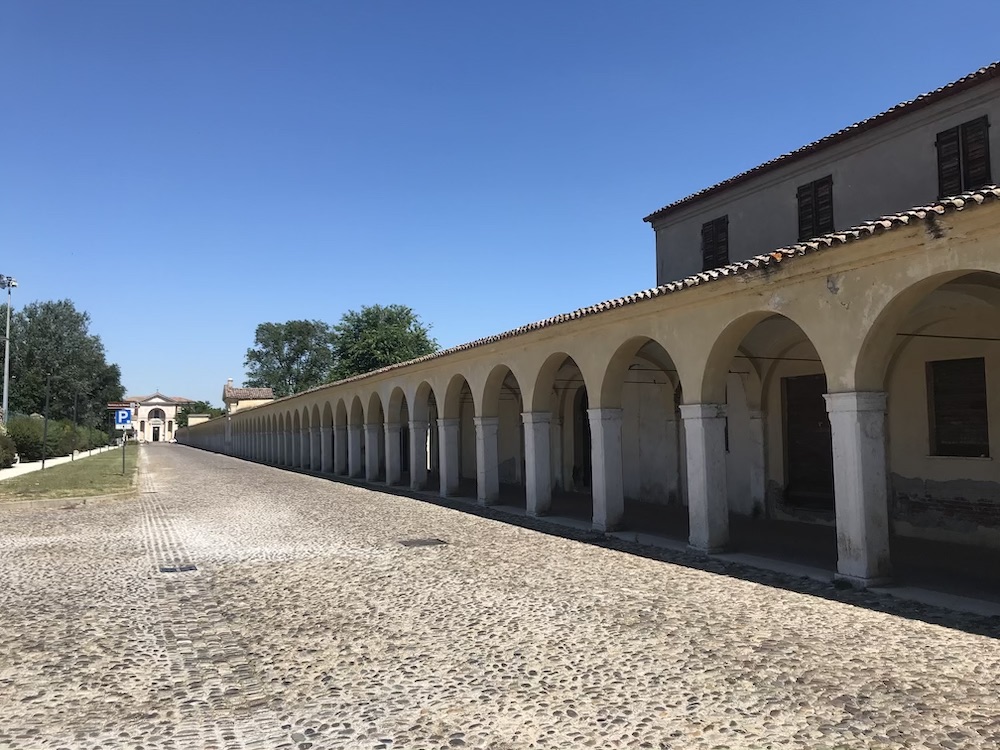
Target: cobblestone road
(307,625)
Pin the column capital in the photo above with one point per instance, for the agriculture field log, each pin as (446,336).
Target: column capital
(451,422)
(536,417)
(418,424)
(856,401)
(703,411)
(393,426)
(486,421)
(604,415)
(372,425)
(756,414)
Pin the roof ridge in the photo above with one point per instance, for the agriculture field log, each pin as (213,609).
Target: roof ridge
(985,194)
(967,81)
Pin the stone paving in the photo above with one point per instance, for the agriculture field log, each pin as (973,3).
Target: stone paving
(304,623)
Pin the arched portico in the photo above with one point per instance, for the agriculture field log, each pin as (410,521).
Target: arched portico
(341,439)
(374,439)
(457,440)
(355,439)
(424,440)
(644,488)
(931,360)
(500,439)
(397,438)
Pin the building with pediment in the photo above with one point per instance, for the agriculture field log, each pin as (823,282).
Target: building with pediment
(155,419)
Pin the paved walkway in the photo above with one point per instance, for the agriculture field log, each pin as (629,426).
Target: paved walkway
(234,605)
(28,466)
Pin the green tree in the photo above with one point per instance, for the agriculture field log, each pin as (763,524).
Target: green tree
(290,357)
(53,338)
(379,336)
(198,407)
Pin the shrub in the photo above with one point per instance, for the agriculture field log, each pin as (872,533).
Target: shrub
(7,452)
(26,432)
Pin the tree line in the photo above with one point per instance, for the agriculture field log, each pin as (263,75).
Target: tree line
(298,355)
(53,349)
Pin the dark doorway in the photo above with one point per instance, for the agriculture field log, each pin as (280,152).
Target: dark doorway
(582,459)
(808,443)
(156,434)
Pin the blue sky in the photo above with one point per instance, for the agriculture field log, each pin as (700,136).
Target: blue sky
(186,170)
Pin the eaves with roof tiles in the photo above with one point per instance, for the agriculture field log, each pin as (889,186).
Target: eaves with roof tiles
(962,84)
(987,194)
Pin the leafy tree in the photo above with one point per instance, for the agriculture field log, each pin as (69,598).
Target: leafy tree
(198,407)
(379,336)
(54,338)
(290,357)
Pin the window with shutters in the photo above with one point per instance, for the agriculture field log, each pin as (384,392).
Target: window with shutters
(816,208)
(715,243)
(963,157)
(956,390)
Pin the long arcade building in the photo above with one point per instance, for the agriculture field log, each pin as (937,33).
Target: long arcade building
(849,378)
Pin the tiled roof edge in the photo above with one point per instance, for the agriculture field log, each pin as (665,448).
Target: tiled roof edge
(986,194)
(972,79)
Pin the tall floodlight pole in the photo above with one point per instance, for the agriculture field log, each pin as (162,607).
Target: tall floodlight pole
(8,283)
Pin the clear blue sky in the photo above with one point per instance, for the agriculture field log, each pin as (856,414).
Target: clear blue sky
(185,170)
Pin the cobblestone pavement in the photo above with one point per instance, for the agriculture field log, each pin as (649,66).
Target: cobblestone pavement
(306,624)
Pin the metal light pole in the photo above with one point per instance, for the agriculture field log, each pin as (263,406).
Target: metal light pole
(8,283)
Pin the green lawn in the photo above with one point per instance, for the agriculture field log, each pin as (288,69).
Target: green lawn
(88,476)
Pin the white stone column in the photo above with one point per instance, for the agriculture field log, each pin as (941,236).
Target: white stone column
(537,461)
(371,452)
(448,430)
(758,477)
(418,454)
(340,450)
(354,438)
(487,459)
(326,449)
(393,453)
(860,486)
(708,505)
(606,460)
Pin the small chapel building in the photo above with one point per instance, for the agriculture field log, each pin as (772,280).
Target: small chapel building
(155,419)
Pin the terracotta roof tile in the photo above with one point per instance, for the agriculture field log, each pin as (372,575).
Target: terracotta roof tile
(244,394)
(973,79)
(987,194)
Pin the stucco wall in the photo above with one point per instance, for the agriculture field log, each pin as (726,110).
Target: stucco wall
(886,170)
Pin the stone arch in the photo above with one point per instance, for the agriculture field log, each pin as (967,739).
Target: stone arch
(457,439)
(397,438)
(374,442)
(500,438)
(878,343)
(639,386)
(933,350)
(542,385)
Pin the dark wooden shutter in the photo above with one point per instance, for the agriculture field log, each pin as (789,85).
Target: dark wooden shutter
(715,243)
(975,154)
(807,212)
(824,205)
(959,422)
(949,163)
(815,208)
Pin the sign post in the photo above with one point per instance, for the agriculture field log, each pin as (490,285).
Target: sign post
(123,422)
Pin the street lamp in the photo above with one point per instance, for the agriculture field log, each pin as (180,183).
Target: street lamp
(8,283)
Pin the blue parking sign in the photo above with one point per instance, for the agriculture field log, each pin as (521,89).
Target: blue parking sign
(123,417)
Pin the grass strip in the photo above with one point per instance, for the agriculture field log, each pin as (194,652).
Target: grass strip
(87,476)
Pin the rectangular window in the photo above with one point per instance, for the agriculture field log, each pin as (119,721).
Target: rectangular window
(715,243)
(963,157)
(956,390)
(816,208)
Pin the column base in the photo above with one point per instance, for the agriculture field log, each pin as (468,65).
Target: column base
(707,550)
(861,583)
